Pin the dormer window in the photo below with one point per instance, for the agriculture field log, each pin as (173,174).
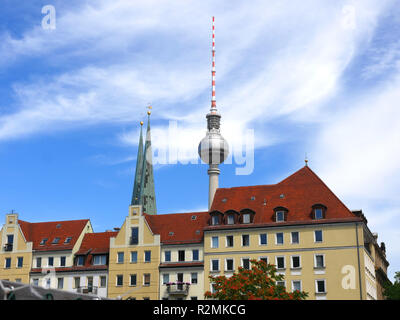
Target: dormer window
(43,242)
(247,216)
(231,219)
(280,214)
(67,240)
(80,260)
(99,260)
(56,240)
(215,220)
(318,211)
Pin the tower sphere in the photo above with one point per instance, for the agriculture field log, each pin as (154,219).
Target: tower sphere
(213,148)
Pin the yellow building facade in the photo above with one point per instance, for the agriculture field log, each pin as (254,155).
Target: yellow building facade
(16,251)
(134,259)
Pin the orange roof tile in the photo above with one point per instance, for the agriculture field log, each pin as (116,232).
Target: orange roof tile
(36,232)
(178,227)
(298,193)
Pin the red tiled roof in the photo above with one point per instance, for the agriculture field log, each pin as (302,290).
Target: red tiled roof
(300,191)
(185,229)
(96,243)
(35,232)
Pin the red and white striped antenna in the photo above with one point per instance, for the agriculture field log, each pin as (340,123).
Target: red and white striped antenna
(213,100)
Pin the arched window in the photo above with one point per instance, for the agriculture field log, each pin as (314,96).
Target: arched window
(246,216)
(318,211)
(216,218)
(231,217)
(280,214)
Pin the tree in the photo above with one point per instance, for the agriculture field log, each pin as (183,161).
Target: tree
(392,291)
(256,283)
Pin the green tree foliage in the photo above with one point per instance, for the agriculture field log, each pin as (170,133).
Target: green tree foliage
(392,291)
(257,283)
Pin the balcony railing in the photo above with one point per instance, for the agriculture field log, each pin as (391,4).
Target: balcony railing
(178,288)
(87,290)
(8,247)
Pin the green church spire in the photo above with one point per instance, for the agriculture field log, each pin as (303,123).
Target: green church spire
(147,192)
(139,169)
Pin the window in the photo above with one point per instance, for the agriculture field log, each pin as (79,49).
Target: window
(296,285)
(20,262)
(10,239)
(319,261)
(80,260)
(132,280)
(120,257)
(229,241)
(263,239)
(50,261)
(43,242)
(135,235)
(279,238)
(280,216)
(7,263)
(120,280)
(77,282)
(265,259)
(147,256)
(320,286)
(193,298)
(231,219)
(60,283)
(193,277)
(246,263)
(295,237)
(35,282)
(167,256)
(103,281)
(195,254)
(246,218)
(165,278)
(181,255)
(280,262)
(38,262)
(245,240)
(296,262)
(281,283)
(67,240)
(318,235)
(99,260)
(214,242)
(56,240)
(229,264)
(146,279)
(215,220)
(48,283)
(62,261)
(215,265)
(133,256)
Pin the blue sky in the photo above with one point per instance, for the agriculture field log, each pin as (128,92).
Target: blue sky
(314,77)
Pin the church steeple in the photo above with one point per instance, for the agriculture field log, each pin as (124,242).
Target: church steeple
(139,169)
(147,196)
(143,186)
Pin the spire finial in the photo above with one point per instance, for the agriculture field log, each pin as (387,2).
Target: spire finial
(213,100)
(306,160)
